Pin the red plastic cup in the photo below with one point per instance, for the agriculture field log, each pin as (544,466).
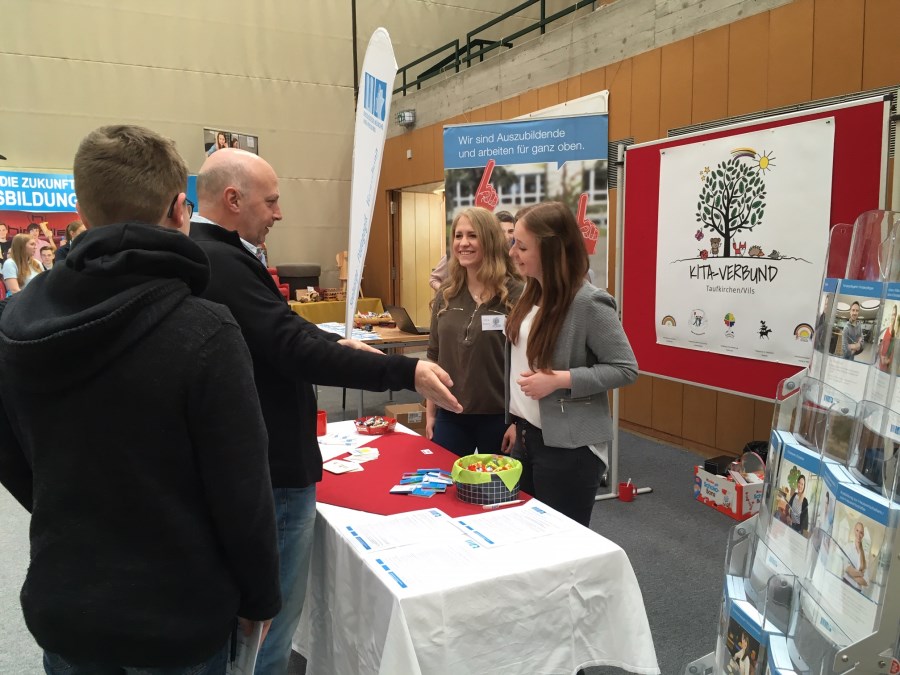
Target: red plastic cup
(321,422)
(627,491)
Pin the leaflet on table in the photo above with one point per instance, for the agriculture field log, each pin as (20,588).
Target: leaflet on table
(514,524)
(848,349)
(246,651)
(796,482)
(401,529)
(340,329)
(851,552)
(429,565)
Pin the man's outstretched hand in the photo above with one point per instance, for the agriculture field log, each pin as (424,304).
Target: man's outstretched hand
(433,383)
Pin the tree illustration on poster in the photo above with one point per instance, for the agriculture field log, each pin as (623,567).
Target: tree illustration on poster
(733,195)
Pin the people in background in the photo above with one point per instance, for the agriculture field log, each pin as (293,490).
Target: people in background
(235,142)
(507,224)
(5,241)
(438,274)
(220,144)
(853,335)
(468,316)
(152,522)
(73,230)
(238,193)
(855,572)
(21,266)
(46,258)
(36,230)
(568,350)
(798,507)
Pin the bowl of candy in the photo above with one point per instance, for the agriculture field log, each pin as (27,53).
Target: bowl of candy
(374,426)
(486,479)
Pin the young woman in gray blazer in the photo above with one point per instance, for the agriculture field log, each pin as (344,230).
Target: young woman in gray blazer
(567,350)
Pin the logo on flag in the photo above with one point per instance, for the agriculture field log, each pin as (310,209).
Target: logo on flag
(375,96)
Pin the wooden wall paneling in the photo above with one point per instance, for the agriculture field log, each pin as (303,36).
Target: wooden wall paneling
(837,47)
(618,82)
(528,102)
(477,115)
(710,97)
(645,86)
(763,411)
(640,401)
(493,112)
(548,96)
(437,145)
(748,57)
(509,108)
(376,281)
(734,422)
(666,411)
(881,67)
(424,262)
(437,246)
(391,163)
(570,89)
(422,162)
(406,245)
(403,163)
(593,81)
(675,85)
(790,54)
(698,415)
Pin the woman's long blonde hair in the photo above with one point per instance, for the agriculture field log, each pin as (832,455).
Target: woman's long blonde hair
(24,262)
(496,265)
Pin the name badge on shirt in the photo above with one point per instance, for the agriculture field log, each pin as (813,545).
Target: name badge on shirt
(493,322)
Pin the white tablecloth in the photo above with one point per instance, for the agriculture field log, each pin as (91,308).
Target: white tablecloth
(549,605)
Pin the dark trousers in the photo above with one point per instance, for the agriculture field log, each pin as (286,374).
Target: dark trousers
(564,478)
(461,434)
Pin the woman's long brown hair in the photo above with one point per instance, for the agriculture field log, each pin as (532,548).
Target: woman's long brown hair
(24,261)
(496,266)
(564,264)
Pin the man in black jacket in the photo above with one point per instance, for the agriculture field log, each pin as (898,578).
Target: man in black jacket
(238,194)
(152,523)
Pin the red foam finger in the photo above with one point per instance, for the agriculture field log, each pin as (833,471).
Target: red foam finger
(582,208)
(486,176)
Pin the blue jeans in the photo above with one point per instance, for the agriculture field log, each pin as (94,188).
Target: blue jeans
(462,433)
(54,664)
(295,517)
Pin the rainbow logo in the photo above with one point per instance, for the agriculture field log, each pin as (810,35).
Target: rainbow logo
(803,332)
(668,320)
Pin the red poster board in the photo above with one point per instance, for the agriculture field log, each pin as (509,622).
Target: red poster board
(859,175)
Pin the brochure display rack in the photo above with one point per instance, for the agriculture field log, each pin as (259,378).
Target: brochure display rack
(812,583)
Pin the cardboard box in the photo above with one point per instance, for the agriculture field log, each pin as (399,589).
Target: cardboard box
(411,415)
(723,494)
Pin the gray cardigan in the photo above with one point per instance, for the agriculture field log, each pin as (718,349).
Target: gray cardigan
(591,345)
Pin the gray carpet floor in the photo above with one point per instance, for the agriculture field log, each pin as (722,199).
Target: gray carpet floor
(675,544)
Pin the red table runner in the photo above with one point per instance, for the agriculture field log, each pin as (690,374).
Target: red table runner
(369,489)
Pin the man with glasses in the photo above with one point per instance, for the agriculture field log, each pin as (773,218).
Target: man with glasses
(238,194)
(153,526)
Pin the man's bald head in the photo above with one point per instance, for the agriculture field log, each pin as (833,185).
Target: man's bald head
(239,191)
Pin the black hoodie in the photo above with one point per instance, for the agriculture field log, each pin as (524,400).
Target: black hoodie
(152,515)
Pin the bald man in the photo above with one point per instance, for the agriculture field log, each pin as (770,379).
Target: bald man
(238,205)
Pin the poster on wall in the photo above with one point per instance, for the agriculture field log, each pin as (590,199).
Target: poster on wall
(506,166)
(27,197)
(742,235)
(217,139)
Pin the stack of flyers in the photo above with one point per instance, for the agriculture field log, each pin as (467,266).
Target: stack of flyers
(341,466)
(361,455)
(423,483)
